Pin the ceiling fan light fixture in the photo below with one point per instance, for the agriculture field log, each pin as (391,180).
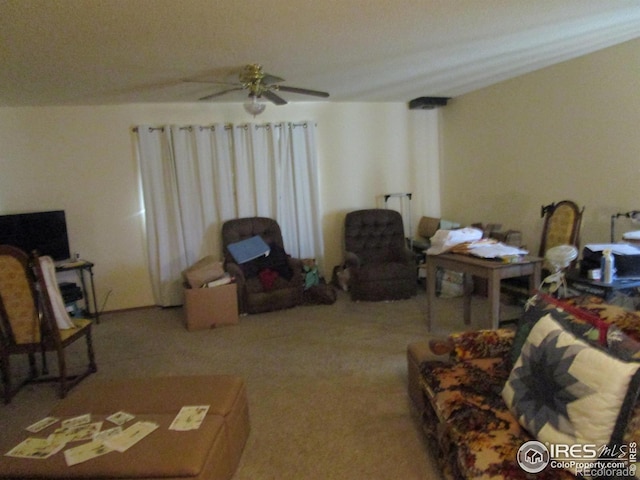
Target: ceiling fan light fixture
(253,106)
(261,86)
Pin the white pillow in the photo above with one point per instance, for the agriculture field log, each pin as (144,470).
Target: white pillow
(563,390)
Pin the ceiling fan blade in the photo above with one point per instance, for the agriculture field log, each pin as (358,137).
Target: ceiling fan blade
(274,98)
(303,91)
(217,94)
(269,79)
(215,82)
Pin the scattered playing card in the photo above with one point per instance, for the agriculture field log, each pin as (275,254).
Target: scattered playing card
(85,452)
(42,424)
(79,420)
(120,418)
(130,436)
(108,433)
(189,417)
(37,448)
(75,433)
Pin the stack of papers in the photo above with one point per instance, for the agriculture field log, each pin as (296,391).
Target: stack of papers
(469,241)
(445,240)
(494,250)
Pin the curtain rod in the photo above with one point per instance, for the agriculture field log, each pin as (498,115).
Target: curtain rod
(229,126)
(151,129)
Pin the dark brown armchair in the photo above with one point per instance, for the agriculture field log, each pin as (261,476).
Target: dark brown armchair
(257,292)
(381,266)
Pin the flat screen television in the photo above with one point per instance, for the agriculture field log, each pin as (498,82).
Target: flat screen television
(45,232)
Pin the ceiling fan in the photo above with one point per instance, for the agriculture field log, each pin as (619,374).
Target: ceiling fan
(261,84)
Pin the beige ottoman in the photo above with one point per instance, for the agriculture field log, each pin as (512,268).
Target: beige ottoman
(211,452)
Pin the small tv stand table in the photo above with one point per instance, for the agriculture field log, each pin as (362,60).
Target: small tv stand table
(82,267)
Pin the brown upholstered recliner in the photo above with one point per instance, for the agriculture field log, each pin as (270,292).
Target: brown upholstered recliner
(381,266)
(256,292)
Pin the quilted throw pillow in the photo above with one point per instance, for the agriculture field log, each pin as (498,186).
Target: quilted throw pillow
(562,390)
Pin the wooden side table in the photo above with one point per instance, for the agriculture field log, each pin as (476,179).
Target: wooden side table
(493,270)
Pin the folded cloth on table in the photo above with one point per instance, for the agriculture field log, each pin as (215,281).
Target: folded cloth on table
(493,249)
(445,240)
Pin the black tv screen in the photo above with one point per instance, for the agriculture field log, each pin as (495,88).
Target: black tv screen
(45,232)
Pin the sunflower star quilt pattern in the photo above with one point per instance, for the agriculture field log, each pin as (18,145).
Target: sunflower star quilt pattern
(563,390)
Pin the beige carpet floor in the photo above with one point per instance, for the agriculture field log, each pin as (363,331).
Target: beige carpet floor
(326,383)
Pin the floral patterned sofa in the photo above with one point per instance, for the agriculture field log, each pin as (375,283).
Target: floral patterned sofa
(480,394)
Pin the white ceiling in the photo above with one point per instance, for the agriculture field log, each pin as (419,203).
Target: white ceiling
(70,52)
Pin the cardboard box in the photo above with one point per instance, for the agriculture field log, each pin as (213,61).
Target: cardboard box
(210,307)
(203,271)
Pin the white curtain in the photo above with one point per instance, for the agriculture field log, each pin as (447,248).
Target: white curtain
(196,177)
(298,192)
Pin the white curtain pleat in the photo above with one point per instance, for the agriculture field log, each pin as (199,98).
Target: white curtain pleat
(210,240)
(307,192)
(195,178)
(263,170)
(222,159)
(166,249)
(244,171)
(190,197)
(286,199)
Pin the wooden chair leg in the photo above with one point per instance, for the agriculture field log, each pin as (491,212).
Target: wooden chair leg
(9,390)
(62,372)
(6,378)
(33,369)
(45,368)
(93,367)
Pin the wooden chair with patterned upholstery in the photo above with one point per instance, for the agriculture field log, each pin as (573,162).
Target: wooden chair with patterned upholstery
(19,323)
(562,222)
(31,321)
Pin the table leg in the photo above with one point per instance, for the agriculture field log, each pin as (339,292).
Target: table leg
(467,286)
(96,313)
(87,305)
(431,292)
(534,278)
(493,294)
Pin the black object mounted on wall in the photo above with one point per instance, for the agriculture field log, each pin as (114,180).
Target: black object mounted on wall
(428,103)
